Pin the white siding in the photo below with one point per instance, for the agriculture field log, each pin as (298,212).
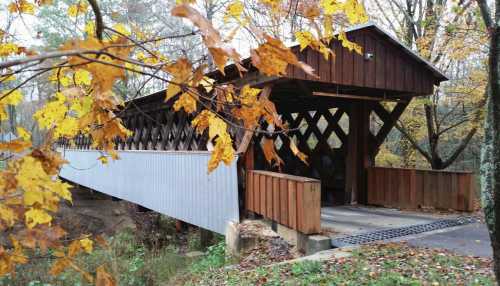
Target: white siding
(176,184)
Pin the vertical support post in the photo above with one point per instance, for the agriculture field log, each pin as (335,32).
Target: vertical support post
(206,238)
(359,157)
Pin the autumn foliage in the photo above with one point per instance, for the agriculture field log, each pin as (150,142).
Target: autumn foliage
(84,72)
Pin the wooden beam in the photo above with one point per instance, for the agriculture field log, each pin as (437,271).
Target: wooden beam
(390,120)
(356,97)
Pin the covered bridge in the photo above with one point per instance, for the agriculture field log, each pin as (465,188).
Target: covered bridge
(163,165)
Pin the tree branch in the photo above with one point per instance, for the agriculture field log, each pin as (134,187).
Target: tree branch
(99,24)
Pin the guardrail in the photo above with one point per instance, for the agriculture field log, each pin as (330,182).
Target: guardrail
(412,188)
(292,201)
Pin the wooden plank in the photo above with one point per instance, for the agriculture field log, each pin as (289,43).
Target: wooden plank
(256,193)
(249,192)
(348,67)
(310,219)
(390,69)
(276,199)
(427,189)
(419,189)
(462,188)
(337,75)
(324,69)
(413,189)
(312,60)
(301,211)
(472,193)
(292,204)
(380,65)
(284,201)
(262,189)
(370,68)
(454,191)
(359,75)
(371,185)
(269,197)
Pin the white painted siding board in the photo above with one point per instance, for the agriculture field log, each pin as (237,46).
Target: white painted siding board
(176,184)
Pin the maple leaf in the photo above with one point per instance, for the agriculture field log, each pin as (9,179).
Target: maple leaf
(272,58)
(36,216)
(86,244)
(8,215)
(234,11)
(103,278)
(270,152)
(181,71)
(296,152)
(21,6)
(211,37)
(187,102)
(82,77)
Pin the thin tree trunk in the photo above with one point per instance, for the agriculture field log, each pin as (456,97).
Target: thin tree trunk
(490,157)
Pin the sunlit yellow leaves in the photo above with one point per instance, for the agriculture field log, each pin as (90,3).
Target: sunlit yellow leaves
(181,72)
(86,244)
(355,12)
(9,259)
(105,69)
(37,216)
(273,57)
(52,113)
(217,131)
(351,46)
(306,39)
(90,29)
(234,11)
(7,215)
(11,97)
(82,77)
(7,49)
(22,7)
(25,135)
(79,8)
(211,37)
(186,101)
(103,278)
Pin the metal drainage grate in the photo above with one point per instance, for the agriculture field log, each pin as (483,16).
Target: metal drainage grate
(399,232)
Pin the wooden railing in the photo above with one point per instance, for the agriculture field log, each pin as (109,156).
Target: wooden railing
(412,189)
(289,200)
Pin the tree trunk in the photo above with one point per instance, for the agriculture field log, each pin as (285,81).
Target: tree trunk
(490,157)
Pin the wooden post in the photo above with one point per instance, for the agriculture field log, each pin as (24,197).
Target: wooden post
(358,155)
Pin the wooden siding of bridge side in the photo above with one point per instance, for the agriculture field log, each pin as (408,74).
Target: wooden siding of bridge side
(289,200)
(390,68)
(412,189)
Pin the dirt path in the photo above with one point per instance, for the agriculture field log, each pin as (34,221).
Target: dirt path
(94,213)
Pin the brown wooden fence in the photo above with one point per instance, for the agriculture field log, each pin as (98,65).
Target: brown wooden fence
(410,188)
(289,200)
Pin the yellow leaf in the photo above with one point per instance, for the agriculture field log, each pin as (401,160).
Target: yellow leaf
(90,28)
(74,10)
(296,152)
(103,278)
(82,77)
(62,190)
(234,10)
(103,159)
(16,146)
(21,6)
(7,49)
(87,244)
(59,266)
(270,152)
(25,135)
(187,102)
(14,98)
(36,216)
(180,72)
(7,215)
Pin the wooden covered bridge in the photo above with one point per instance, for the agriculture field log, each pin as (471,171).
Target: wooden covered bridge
(163,164)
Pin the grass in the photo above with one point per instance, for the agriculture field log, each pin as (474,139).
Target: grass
(128,260)
(388,264)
